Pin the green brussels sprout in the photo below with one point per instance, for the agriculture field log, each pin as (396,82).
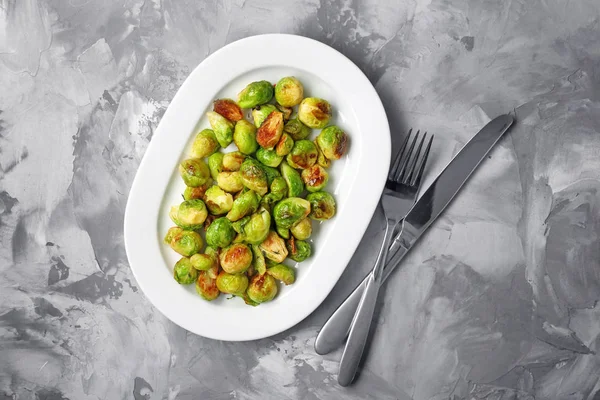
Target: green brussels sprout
(190,214)
(222,126)
(262,288)
(238,225)
(279,188)
(260,113)
(285,145)
(245,204)
(259,263)
(215,164)
(218,201)
(257,228)
(256,93)
(286,111)
(292,179)
(254,176)
(207,260)
(220,233)
(244,137)
(303,229)
(206,286)
(184,242)
(270,130)
(289,92)
(191,193)
(233,161)
(315,178)
(290,211)
(274,247)
(333,142)
(268,157)
(183,272)
(321,159)
(299,250)
(230,181)
(194,172)
(314,112)
(303,155)
(204,144)
(271,173)
(229,109)
(296,129)
(322,205)
(236,258)
(232,284)
(283,232)
(283,273)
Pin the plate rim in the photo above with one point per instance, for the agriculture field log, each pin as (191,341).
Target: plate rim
(134,245)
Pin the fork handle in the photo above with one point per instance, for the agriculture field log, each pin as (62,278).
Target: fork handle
(361,324)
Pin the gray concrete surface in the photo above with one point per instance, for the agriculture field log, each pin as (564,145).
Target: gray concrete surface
(498,302)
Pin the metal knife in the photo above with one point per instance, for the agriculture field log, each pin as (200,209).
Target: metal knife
(422,214)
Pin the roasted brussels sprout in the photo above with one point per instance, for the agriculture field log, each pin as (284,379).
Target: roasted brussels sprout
(285,145)
(268,157)
(314,112)
(286,111)
(245,204)
(206,286)
(262,288)
(186,243)
(222,127)
(235,284)
(207,260)
(220,233)
(333,142)
(244,137)
(288,212)
(321,159)
(279,188)
(236,258)
(315,178)
(282,273)
(270,130)
(258,262)
(191,193)
(260,113)
(238,225)
(257,228)
(303,155)
(322,205)
(218,201)
(271,173)
(233,161)
(190,214)
(183,272)
(289,92)
(299,250)
(292,179)
(296,129)
(229,109)
(274,247)
(204,144)
(254,176)
(230,181)
(215,164)
(194,172)
(303,229)
(283,232)
(254,94)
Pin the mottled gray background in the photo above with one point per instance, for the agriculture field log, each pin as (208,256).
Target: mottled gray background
(498,302)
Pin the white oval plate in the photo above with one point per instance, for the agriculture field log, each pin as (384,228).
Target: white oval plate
(356,182)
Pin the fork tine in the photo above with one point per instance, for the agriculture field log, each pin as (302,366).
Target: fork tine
(399,156)
(416,180)
(400,173)
(410,170)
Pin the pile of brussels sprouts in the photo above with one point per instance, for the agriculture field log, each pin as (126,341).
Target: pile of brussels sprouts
(255,204)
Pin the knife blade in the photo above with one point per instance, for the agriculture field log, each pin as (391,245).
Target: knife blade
(420,217)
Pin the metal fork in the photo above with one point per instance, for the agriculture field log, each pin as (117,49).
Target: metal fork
(402,187)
